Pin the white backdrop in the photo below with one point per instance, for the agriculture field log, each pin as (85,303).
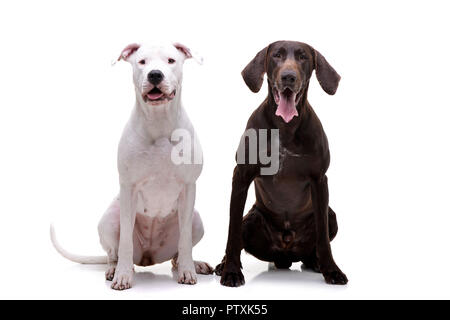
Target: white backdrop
(63,108)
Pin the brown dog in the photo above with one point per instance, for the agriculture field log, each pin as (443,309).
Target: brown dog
(291,220)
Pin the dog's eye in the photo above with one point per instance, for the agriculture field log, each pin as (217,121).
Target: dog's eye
(142,62)
(171,61)
(302,56)
(277,55)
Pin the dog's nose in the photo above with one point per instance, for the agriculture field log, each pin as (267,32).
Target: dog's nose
(288,77)
(155,77)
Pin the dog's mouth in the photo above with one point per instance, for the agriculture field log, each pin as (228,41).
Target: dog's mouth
(286,101)
(156,96)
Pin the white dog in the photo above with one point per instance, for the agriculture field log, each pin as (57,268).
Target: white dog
(153,220)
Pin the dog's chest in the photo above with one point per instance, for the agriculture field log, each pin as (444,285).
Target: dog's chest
(294,163)
(160,183)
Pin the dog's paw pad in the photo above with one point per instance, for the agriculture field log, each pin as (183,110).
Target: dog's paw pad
(203,268)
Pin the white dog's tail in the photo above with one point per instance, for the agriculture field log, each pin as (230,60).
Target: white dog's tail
(74,257)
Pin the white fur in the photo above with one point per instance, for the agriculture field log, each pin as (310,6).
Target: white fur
(154,213)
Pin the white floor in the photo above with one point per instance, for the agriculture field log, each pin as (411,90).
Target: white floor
(57,278)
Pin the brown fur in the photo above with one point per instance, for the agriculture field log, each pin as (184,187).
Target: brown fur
(291,220)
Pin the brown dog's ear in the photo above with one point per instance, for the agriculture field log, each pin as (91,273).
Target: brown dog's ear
(326,75)
(253,73)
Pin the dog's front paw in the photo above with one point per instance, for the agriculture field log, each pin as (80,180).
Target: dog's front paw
(123,279)
(335,276)
(232,277)
(186,274)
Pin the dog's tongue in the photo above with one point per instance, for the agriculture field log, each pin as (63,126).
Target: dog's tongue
(286,108)
(154,95)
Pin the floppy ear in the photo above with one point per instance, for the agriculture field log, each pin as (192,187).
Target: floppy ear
(326,75)
(128,51)
(253,73)
(188,52)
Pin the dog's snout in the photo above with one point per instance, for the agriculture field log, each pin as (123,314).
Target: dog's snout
(155,77)
(288,77)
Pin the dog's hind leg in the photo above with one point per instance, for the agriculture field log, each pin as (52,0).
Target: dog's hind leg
(332,223)
(197,234)
(311,261)
(256,236)
(108,230)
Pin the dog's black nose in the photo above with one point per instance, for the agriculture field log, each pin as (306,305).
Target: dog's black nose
(155,77)
(288,77)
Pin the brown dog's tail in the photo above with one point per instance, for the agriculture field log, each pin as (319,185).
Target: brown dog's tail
(75,257)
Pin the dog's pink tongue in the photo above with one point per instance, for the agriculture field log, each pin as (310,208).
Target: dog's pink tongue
(154,96)
(286,108)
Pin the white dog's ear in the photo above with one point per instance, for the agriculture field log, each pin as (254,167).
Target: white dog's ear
(128,51)
(188,53)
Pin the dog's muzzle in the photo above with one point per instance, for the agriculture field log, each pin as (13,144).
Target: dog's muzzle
(157,96)
(286,100)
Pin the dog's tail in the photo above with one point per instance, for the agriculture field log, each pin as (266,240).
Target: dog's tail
(74,257)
